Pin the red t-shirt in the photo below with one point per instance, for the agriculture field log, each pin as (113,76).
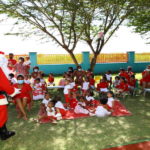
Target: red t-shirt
(92,81)
(123,86)
(25,91)
(11,62)
(51,79)
(125,75)
(132,82)
(102,85)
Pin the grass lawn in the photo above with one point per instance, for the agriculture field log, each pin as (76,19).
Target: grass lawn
(80,134)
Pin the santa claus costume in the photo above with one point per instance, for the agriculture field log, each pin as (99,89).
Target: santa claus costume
(5,89)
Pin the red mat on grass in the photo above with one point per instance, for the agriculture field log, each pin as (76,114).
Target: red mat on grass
(137,146)
(119,110)
(69,115)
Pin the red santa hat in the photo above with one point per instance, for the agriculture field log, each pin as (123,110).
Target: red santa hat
(4,63)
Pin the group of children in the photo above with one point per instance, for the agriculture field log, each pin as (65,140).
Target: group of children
(80,88)
(53,109)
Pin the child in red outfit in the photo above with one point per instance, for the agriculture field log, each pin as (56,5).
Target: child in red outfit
(145,82)
(73,101)
(123,86)
(92,82)
(132,83)
(124,74)
(103,85)
(51,79)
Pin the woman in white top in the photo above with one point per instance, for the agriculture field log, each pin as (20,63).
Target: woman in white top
(111,99)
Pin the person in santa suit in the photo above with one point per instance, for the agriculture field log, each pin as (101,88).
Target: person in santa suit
(5,89)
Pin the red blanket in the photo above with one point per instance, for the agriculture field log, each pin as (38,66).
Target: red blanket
(119,110)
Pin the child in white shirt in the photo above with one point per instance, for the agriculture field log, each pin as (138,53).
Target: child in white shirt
(101,110)
(111,99)
(85,87)
(81,107)
(12,78)
(60,109)
(66,91)
(43,106)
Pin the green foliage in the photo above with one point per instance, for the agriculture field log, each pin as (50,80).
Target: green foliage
(68,21)
(140,17)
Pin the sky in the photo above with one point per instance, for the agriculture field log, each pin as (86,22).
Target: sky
(123,41)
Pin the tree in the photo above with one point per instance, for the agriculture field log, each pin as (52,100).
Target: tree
(102,19)
(68,21)
(140,17)
(55,19)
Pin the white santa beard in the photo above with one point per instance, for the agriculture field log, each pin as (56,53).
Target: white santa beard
(6,71)
(3,65)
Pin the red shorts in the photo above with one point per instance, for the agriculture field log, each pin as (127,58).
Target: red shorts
(3,115)
(67,98)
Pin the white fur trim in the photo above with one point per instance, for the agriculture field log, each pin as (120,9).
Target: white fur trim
(17,91)
(3,101)
(3,65)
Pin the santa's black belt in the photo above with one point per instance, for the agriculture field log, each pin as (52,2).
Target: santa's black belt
(3,93)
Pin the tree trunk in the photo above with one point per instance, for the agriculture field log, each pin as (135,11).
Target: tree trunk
(93,62)
(73,58)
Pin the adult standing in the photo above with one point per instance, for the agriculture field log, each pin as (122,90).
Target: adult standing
(11,61)
(21,67)
(145,81)
(79,75)
(5,88)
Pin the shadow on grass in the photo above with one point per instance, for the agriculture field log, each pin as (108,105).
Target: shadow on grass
(80,134)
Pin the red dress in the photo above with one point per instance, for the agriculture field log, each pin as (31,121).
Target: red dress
(123,86)
(11,62)
(50,79)
(146,76)
(25,92)
(102,85)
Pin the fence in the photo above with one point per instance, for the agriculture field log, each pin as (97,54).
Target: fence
(105,62)
(66,59)
(111,58)
(16,57)
(57,59)
(142,57)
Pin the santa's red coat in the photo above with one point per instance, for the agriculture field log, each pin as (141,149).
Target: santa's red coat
(10,90)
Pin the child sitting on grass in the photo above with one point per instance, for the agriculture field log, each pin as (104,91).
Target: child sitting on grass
(59,107)
(43,106)
(81,107)
(51,80)
(102,110)
(102,87)
(122,88)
